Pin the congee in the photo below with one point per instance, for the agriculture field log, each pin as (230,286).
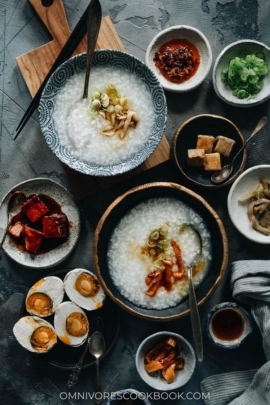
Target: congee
(150,249)
(113,124)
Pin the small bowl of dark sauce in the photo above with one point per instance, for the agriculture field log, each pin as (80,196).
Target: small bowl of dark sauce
(228,325)
(181,58)
(128,396)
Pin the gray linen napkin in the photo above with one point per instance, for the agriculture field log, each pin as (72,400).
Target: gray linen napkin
(250,284)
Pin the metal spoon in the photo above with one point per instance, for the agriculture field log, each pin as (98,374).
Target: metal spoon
(194,312)
(93,25)
(13,208)
(73,378)
(97,348)
(223,174)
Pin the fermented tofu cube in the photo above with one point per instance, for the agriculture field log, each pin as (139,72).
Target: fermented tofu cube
(224,145)
(55,226)
(32,238)
(212,161)
(195,157)
(34,209)
(205,142)
(15,230)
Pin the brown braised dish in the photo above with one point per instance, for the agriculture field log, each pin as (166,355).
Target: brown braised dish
(40,226)
(259,206)
(165,356)
(177,60)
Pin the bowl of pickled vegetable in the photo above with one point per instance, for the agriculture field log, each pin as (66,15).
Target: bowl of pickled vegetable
(241,74)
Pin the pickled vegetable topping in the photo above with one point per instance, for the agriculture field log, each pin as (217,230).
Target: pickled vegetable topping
(258,210)
(177,60)
(165,356)
(165,256)
(245,74)
(113,107)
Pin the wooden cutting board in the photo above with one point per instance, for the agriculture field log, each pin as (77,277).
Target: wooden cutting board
(35,65)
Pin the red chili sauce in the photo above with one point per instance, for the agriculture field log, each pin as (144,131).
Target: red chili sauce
(177,60)
(47,244)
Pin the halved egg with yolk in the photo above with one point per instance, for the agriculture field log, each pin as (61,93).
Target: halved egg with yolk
(71,324)
(83,288)
(35,334)
(44,296)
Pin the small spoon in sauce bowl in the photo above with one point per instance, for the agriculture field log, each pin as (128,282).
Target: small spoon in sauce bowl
(13,208)
(224,173)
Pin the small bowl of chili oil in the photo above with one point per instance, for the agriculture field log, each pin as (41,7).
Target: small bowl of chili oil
(181,58)
(228,325)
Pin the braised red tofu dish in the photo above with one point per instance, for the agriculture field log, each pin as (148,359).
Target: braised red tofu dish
(32,239)
(16,230)
(40,226)
(55,226)
(34,209)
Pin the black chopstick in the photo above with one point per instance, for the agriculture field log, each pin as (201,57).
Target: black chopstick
(70,46)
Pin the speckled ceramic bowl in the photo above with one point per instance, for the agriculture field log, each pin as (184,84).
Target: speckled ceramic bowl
(68,206)
(102,58)
(223,90)
(194,36)
(222,342)
(128,396)
(154,380)
(238,210)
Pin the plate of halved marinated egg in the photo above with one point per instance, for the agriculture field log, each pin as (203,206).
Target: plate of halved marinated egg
(60,312)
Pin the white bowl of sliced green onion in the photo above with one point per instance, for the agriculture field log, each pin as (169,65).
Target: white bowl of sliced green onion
(241,74)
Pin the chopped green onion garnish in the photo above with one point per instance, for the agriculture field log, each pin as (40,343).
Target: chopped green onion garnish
(244,74)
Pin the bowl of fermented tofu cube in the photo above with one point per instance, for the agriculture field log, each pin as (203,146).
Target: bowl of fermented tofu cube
(204,144)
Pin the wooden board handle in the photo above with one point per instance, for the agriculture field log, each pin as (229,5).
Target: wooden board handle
(55,19)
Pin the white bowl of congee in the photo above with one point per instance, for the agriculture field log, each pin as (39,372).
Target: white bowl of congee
(144,242)
(117,127)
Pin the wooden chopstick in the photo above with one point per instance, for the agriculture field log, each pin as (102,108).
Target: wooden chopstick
(70,46)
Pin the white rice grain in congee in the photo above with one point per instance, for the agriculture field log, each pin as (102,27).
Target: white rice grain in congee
(128,269)
(80,132)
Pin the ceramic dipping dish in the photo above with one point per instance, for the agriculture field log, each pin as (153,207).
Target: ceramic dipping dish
(228,325)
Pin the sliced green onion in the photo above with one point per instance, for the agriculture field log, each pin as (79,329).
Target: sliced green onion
(152,252)
(260,55)
(151,243)
(154,235)
(159,265)
(244,74)
(161,256)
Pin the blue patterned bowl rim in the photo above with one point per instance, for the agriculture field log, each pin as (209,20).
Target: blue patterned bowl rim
(228,305)
(77,64)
